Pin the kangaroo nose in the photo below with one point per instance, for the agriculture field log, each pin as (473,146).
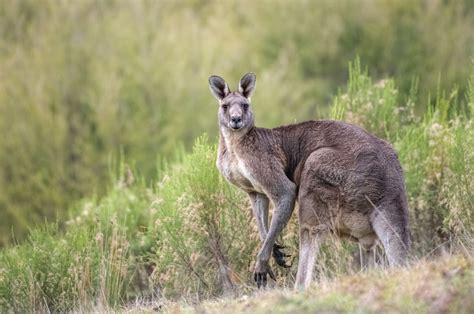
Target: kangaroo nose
(236,119)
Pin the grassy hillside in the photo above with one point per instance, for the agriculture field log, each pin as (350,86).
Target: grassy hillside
(190,235)
(442,286)
(84,81)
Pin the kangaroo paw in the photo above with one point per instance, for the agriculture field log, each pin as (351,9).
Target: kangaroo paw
(279,256)
(262,269)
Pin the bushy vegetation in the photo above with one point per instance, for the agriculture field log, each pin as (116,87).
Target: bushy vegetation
(191,235)
(76,270)
(82,81)
(88,265)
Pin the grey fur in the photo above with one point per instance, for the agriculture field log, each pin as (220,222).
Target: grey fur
(346,181)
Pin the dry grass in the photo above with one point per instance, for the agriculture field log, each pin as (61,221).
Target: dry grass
(442,286)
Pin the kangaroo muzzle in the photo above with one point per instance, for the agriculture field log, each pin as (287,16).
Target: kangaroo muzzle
(236,122)
(236,117)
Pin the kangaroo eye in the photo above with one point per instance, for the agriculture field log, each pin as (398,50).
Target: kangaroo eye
(246,107)
(225,107)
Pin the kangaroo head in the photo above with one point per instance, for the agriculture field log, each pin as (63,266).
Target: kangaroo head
(235,113)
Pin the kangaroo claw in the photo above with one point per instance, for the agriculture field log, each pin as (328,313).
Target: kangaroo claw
(279,256)
(260,274)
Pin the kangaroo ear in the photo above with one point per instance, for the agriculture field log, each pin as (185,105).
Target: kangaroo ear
(247,84)
(219,87)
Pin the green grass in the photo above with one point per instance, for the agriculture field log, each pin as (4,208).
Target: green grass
(190,235)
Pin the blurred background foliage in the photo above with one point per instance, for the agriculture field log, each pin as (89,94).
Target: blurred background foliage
(84,82)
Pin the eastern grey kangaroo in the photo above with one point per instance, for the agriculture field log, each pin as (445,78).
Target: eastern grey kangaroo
(346,181)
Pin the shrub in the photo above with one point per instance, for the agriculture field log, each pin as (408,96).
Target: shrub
(206,241)
(57,273)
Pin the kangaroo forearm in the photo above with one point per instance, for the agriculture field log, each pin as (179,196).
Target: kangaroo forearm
(260,211)
(281,215)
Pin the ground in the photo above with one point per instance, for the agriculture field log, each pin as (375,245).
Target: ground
(445,285)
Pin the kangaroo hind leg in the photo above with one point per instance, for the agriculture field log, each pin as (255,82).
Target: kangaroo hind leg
(310,242)
(311,236)
(390,223)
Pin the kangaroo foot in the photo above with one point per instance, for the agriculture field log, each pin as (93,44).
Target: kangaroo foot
(279,256)
(260,273)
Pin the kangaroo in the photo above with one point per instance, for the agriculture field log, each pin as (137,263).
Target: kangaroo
(345,180)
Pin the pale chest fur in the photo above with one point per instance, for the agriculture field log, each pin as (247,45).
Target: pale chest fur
(235,169)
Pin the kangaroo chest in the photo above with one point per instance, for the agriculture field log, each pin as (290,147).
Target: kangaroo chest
(237,171)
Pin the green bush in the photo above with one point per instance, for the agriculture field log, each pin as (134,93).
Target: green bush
(93,265)
(57,273)
(204,229)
